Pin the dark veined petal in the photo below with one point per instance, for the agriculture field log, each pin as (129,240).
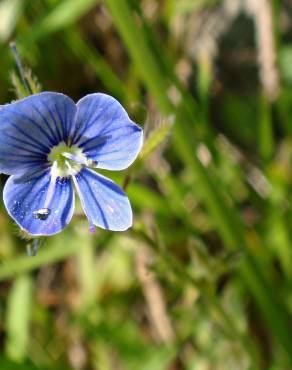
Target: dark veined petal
(30,127)
(25,196)
(104,203)
(105,132)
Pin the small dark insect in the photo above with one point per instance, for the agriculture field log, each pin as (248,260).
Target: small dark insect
(41,214)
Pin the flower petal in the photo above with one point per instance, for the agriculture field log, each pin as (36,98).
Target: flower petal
(30,127)
(105,132)
(23,196)
(104,203)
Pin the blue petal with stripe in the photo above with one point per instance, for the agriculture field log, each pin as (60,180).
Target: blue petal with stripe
(104,203)
(105,132)
(30,127)
(25,195)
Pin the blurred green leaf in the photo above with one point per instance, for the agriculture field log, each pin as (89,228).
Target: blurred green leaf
(84,51)
(285,59)
(10,11)
(10,365)
(63,14)
(18,316)
(54,249)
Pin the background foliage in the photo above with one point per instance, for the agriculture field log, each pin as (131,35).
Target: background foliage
(203,279)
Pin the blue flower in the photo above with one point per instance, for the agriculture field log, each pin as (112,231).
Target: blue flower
(48,144)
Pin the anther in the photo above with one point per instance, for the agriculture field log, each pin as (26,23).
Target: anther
(91,163)
(91,229)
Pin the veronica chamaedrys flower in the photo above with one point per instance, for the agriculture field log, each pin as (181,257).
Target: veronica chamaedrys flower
(50,145)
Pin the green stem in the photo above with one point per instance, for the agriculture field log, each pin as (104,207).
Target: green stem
(20,68)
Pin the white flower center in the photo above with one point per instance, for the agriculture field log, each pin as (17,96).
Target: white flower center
(69,160)
(66,161)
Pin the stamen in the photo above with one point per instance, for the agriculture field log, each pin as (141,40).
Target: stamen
(52,186)
(91,225)
(80,159)
(44,212)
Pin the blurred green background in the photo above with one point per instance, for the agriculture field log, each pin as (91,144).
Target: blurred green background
(203,280)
